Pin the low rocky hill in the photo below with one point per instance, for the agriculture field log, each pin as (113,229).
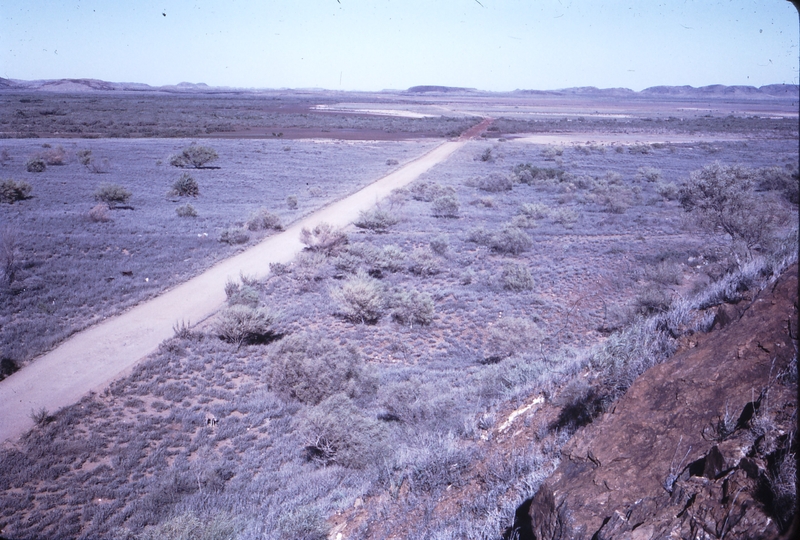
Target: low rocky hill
(702,446)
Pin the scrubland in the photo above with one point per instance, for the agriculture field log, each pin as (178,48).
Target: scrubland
(366,387)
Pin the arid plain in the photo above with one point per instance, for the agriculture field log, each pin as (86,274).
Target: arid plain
(413,372)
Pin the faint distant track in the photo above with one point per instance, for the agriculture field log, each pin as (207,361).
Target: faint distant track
(91,359)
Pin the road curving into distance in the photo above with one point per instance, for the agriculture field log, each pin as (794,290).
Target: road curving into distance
(92,358)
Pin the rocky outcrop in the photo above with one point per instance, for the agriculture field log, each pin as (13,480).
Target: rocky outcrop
(699,447)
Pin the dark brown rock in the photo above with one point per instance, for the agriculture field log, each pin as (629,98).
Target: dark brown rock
(612,481)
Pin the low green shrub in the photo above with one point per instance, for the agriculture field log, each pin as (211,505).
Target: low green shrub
(516,277)
(446,206)
(512,240)
(377,220)
(495,183)
(11,191)
(242,325)
(649,174)
(359,299)
(100,213)
(264,220)
(186,210)
(310,368)
(185,186)
(35,165)
(323,238)
(440,245)
(525,173)
(234,236)
(412,307)
(337,432)
(423,262)
(194,156)
(291,202)
(428,192)
(112,194)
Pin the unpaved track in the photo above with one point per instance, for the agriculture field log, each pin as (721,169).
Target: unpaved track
(94,357)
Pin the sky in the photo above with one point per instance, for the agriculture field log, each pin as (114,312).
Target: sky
(496,45)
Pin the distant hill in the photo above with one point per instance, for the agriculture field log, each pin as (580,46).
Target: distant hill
(790,91)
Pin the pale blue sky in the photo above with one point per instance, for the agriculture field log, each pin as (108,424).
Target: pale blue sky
(378,44)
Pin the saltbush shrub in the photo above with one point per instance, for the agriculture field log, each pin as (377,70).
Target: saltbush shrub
(440,245)
(323,238)
(525,173)
(428,192)
(310,368)
(194,156)
(516,277)
(35,165)
(186,210)
(100,213)
(359,299)
(112,194)
(11,191)
(337,432)
(534,210)
(185,186)
(721,197)
(291,202)
(446,206)
(495,183)
(509,336)
(511,240)
(412,307)
(649,174)
(423,262)
(264,220)
(242,325)
(377,220)
(234,236)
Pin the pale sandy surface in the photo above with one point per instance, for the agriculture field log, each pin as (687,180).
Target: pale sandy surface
(91,359)
(606,139)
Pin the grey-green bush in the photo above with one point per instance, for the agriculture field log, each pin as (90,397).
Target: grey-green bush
(310,368)
(516,277)
(35,165)
(186,210)
(359,299)
(337,432)
(412,307)
(264,220)
(112,194)
(11,191)
(185,186)
(241,325)
(377,219)
(194,156)
(446,206)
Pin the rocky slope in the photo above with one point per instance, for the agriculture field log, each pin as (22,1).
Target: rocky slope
(701,446)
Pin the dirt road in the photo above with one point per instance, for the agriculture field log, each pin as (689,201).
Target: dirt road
(91,359)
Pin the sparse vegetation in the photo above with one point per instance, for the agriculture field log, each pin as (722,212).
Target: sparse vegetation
(322,416)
